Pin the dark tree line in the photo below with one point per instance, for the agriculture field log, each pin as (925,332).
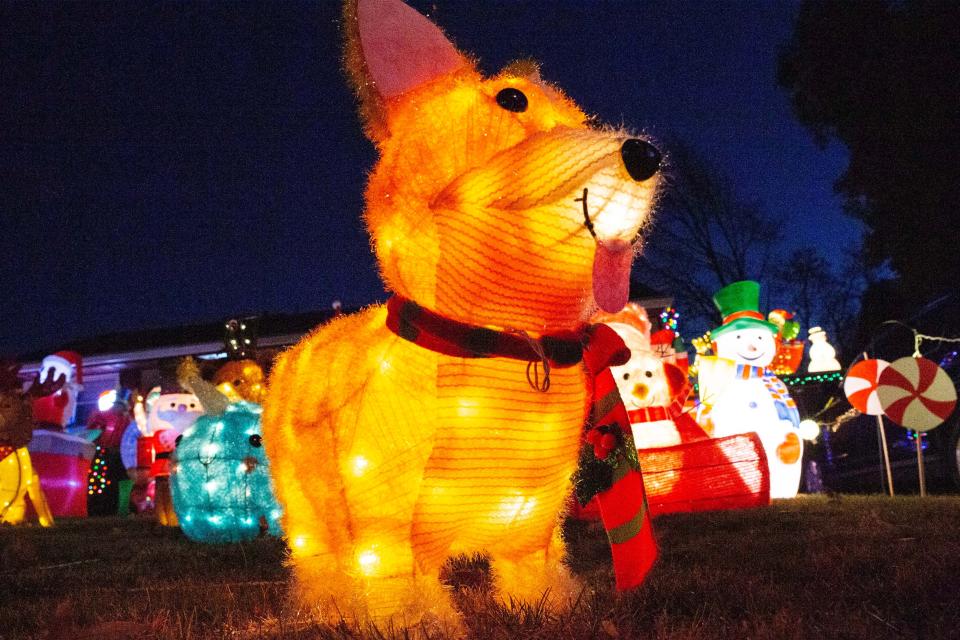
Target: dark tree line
(883,78)
(705,236)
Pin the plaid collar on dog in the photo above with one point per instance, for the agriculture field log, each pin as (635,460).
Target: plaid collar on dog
(611,475)
(432,331)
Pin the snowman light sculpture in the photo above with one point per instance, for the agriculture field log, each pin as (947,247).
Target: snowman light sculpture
(823,357)
(739,394)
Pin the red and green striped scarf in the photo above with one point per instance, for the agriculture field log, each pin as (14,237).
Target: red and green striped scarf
(609,469)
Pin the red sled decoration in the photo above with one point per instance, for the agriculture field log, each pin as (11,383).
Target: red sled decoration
(706,475)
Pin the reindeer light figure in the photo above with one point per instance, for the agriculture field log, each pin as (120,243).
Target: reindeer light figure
(18,480)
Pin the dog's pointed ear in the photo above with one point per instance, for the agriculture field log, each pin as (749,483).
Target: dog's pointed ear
(391,49)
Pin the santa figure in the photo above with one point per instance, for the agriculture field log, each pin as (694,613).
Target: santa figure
(56,411)
(739,394)
(170,410)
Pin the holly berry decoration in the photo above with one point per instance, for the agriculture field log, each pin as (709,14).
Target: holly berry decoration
(604,440)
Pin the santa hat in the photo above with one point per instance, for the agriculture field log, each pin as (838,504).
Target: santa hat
(664,337)
(739,304)
(68,360)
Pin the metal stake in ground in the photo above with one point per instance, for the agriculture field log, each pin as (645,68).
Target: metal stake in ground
(923,476)
(886,453)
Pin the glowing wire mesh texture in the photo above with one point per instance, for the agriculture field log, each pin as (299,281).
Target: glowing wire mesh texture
(220,478)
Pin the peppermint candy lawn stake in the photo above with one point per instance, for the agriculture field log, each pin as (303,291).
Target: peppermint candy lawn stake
(860,387)
(917,394)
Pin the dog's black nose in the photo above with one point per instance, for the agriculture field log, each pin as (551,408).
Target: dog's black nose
(640,158)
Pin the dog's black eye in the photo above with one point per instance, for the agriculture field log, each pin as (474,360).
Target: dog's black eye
(256,440)
(512,100)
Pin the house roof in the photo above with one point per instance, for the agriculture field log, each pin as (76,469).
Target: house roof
(118,348)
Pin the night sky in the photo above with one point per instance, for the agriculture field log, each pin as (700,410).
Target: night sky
(173,163)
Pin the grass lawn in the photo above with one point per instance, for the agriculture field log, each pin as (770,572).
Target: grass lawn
(815,567)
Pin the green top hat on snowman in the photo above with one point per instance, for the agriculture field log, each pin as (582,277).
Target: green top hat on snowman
(739,304)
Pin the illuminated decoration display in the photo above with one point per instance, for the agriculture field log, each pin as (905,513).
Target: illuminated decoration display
(809,430)
(99,481)
(823,357)
(915,393)
(498,218)
(220,477)
(56,411)
(817,378)
(62,461)
(860,386)
(643,382)
(789,348)
(240,378)
(683,468)
(111,418)
(107,470)
(669,318)
(136,452)
(169,411)
(106,399)
(739,394)
(18,480)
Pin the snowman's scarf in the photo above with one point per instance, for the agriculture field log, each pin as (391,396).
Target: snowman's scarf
(785,405)
(615,479)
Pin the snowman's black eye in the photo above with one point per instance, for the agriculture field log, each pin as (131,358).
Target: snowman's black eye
(512,100)
(626,376)
(256,440)
(649,374)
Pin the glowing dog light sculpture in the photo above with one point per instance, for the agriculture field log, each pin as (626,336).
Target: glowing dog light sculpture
(450,420)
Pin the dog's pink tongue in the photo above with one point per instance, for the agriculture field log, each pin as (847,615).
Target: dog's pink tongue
(611,274)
